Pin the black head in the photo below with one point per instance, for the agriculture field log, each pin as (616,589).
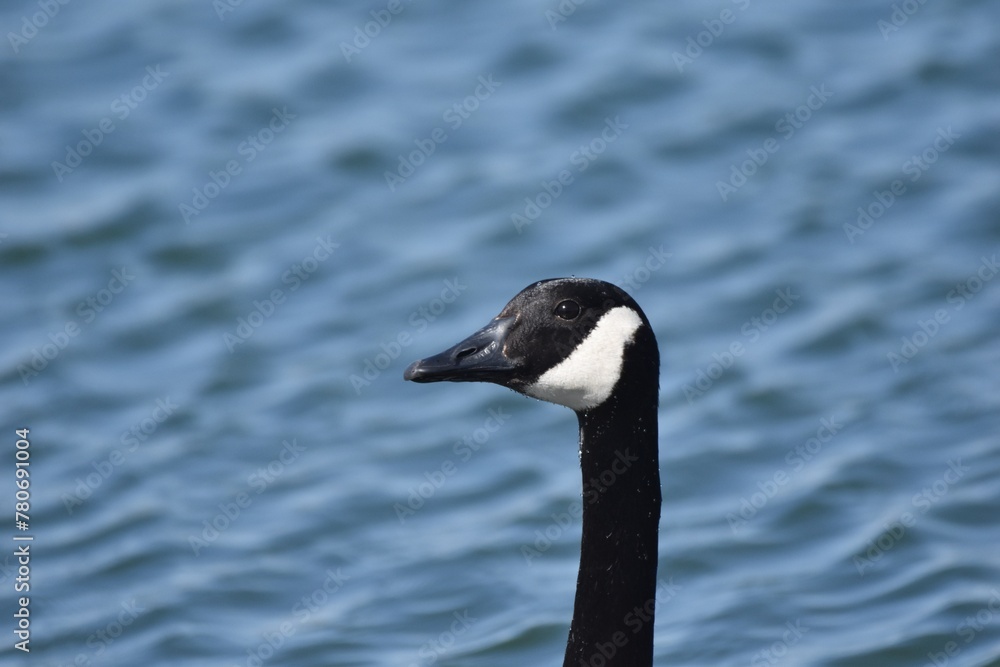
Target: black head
(564,340)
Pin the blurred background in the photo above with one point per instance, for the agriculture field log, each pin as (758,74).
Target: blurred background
(228,226)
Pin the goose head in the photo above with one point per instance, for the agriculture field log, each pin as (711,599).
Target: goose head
(568,341)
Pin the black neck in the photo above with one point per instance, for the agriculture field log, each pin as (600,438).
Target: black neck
(616,586)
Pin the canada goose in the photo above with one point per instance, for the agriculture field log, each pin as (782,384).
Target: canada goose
(587,345)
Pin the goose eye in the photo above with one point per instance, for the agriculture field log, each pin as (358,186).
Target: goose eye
(567,310)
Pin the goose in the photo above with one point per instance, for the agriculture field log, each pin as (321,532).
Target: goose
(586,344)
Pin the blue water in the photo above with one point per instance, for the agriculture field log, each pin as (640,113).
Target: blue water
(227,227)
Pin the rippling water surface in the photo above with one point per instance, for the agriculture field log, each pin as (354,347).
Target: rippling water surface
(228,226)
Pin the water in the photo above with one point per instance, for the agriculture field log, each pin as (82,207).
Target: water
(211,298)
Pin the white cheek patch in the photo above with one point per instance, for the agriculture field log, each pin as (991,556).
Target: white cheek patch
(586,377)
